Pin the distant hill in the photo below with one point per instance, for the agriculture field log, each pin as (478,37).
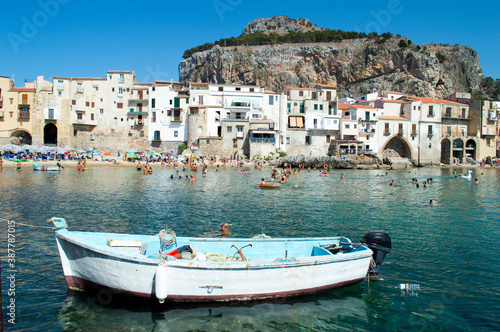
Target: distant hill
(279,51)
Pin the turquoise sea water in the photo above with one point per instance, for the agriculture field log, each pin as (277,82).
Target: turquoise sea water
(451,250)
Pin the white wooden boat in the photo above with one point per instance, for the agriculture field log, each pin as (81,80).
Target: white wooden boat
(39,167)
(219,269)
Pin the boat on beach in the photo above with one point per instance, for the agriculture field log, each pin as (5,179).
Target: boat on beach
(39,167)
(189,269)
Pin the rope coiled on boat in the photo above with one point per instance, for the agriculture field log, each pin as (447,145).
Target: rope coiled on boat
(167,243)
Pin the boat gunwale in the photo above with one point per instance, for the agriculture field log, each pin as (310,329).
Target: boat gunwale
(290,262)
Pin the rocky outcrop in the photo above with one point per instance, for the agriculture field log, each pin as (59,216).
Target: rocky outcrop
(355,66)
(280,25)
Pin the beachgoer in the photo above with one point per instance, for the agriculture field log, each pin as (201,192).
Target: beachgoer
(432,202)
(342,176)
(224,230)
(476,181)
(262,182)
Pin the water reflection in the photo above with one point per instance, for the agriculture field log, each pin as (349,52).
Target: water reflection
(323,312)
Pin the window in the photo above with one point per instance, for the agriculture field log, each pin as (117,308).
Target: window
(400,129)
(208,141)
(301,110)
(120,92)
(79,87)
(170,101)
(96,88)
(51,113)
(431,110)
(200,130)
(347,126)
(229,129)
(464,114)
(252,90)
(448,130)
(413,129)
(328,139)
(153,103)
(386,128)
(200,100)
(112,89)
(75,132)
(59,93)
(271,100)
(91,116)
(321,107)
(367,116)
(238,89)
(122,78)
(79,116)
(156,136)
(153,88)
(430,130)
(101,110)
(60,85)
(448,112)
(330,109)
(25,112)
(153,117)
(221,88)
(314,95)
(328,95)
(289,107)
(355,126)
(308,140)
(315,107)
(301,93)
(87,103)
(315,121)
(296,122)
(239,129)
(255,116)
(119,105)
(93,104)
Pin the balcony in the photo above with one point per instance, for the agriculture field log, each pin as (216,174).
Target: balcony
(262,140)
(138,100)
(387,133)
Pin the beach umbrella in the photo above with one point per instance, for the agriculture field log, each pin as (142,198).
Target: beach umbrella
(106,154)
(200,154)
(118,153)
(169,154)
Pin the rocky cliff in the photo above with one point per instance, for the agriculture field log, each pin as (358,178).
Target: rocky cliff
(355,66)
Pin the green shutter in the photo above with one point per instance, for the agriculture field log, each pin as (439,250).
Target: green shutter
(321,107)
(301,108)
(176,102)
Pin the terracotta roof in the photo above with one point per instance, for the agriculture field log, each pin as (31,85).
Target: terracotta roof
(388,117)
(194,83)
(298,88)
(343,106)
(79,78)
(327,86)
(269,91)
(143,83)
(393,101)
(14,89)
(399,93)
(434,100)
(362,107)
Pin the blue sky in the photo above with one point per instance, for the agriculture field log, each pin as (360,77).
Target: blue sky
(88,38)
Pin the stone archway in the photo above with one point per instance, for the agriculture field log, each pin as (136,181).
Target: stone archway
(458,150)
(50,134)
(21,137)
(470,149)
(446,151)
(397,147)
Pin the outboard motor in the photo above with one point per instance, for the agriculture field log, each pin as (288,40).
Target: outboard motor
(380,244)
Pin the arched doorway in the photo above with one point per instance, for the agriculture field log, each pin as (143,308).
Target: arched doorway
(50,134)
(396,147)
(21,137)
(470,149)
(446,151)
(458,150)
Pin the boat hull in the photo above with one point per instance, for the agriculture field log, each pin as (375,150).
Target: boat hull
(88,268)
